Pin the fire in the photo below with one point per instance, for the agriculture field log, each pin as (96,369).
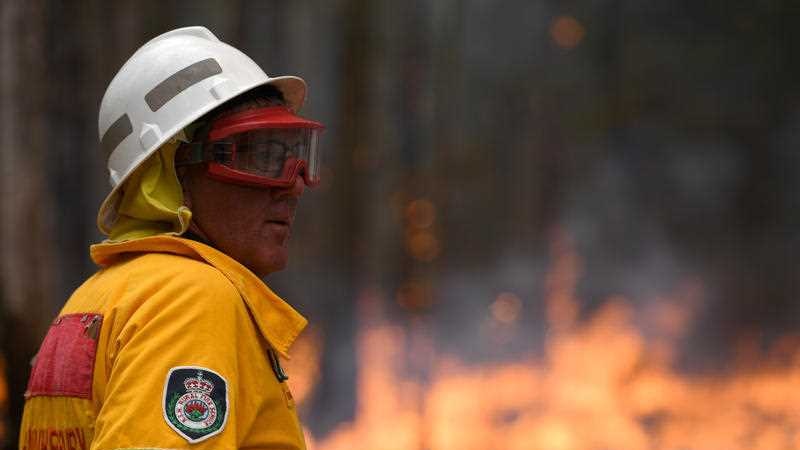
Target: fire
(567,32)
(304,365)
(3,400)
(602,383)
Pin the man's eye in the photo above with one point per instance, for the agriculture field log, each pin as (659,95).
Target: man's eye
(267,157)
(221,152)
(276,148)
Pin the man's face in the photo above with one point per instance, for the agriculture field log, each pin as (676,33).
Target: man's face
(250,225)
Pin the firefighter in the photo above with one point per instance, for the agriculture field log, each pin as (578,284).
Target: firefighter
(175,341)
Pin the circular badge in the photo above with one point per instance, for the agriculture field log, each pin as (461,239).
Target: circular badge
(196,411)
(195,402)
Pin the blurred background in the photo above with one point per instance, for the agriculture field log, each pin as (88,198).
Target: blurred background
(563,224)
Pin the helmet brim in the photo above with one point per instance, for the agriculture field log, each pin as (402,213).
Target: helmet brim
(293,90)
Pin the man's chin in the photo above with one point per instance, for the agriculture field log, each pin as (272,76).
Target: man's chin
(269,264)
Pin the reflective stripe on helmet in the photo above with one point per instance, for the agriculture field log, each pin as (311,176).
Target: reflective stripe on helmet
(180,81)
(117,132)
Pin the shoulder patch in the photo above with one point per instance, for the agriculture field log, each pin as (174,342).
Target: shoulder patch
(64,365)
(195,402)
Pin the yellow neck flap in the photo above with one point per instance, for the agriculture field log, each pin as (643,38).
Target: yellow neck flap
(152,199)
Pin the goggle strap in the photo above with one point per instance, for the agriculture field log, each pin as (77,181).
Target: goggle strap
(191,153)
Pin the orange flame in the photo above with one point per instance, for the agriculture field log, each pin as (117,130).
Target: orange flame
(3,399)
(567,32)
(304,365)
(601,384)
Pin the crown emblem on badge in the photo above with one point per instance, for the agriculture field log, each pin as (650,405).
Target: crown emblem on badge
(198,384)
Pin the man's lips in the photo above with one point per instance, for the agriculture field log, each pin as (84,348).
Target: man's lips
(278,228)
(282,213)
(286,218)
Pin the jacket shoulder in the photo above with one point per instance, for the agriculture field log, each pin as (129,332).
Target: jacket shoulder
(181,275)
(170,266)
(152,279)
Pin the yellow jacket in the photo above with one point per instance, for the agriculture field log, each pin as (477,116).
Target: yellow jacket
(170,345)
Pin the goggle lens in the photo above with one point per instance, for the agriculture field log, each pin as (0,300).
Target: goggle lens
(268,147)
(271,153)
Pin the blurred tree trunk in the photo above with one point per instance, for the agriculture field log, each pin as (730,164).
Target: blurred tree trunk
(26,275)
(342,226)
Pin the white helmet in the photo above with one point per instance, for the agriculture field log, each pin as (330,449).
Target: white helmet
(170,82)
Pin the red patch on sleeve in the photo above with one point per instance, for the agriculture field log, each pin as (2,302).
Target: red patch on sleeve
(65,363)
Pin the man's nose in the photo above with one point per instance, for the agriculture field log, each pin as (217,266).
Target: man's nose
(296,190)
(293,191)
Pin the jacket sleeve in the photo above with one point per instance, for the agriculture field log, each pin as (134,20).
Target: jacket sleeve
(172,372)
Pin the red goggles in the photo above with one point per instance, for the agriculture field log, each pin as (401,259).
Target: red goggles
(265,148)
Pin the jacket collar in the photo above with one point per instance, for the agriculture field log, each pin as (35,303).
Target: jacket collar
(278,322)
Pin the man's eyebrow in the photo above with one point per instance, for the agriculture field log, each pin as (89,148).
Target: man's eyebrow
(180,81)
